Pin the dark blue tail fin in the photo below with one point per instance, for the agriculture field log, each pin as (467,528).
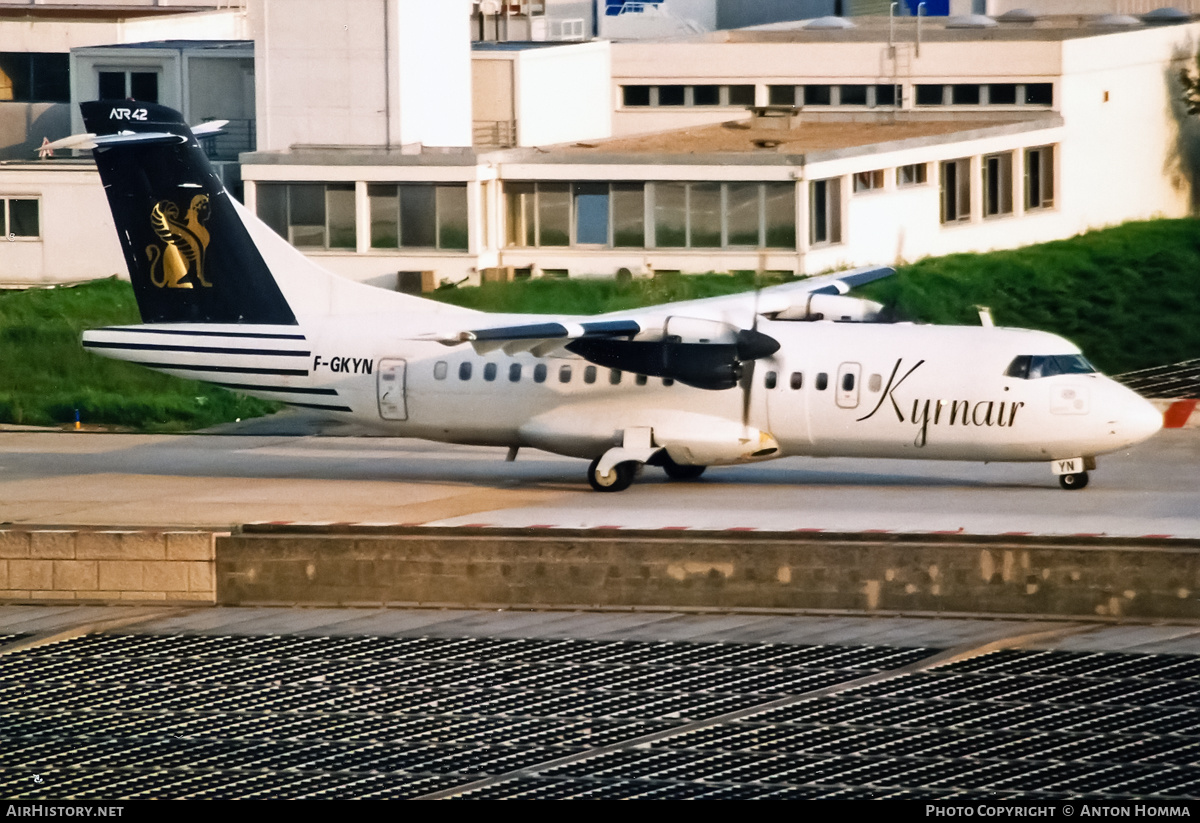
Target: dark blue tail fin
(189,254)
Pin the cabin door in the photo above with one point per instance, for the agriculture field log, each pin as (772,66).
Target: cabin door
(391,386)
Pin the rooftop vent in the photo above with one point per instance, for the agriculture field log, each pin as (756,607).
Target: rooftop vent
(1165,16)
(1019,16)
(1115,21)
(971,21)
(831,23)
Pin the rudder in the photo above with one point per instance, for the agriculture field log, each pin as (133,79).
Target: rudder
(189,255)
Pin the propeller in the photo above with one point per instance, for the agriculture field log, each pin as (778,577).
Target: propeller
(752,344)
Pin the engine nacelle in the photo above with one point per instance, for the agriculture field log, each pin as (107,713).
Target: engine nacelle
(836,307)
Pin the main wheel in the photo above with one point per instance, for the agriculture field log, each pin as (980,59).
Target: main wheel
(678,471)
(1071,482)
(618,478)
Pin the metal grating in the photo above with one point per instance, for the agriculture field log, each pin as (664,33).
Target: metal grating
(127,716)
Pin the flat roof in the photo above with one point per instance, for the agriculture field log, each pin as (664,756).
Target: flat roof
(747,140)
(177,45)
(871,29)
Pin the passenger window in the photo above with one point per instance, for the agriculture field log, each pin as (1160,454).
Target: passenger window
(464,370)
(822,381)
(848,381)
(614,376)
(589,374)
(564,374)
(641,380)
(874,382)
(769,380)
(797,380)
(489,371)
(668,381)
(539,373)
(514,373)
(439,370)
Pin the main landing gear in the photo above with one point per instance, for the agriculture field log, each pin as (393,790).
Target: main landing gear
(616,479)
(621,475)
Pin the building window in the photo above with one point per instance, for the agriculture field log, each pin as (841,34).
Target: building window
(825,211)
(868,180)
(129,85)
(930,95)
(674,95)
(684,215)
(888,95)
(1039,94)
(1002,94)
(35,77)
(418,216)
(965,94)
(741,95)
(1039,178)
(635,95)
(781,95)
(706,95)
(914,174)
(20,218)
(956,190)
(310,215)
(671,95)
(855,95)
(818,95)
(997,184)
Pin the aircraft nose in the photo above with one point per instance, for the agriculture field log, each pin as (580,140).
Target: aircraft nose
(1141,419)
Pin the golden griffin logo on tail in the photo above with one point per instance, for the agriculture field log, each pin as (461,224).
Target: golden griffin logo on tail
(186,242)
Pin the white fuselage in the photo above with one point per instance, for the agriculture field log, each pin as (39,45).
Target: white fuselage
(852,389)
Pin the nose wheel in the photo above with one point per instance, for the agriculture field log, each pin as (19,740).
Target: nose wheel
(1071,482)
(617,479)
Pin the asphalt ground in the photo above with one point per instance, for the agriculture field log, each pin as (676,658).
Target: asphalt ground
(278,471)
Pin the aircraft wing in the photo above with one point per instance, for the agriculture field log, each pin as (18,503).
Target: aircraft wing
(737,311)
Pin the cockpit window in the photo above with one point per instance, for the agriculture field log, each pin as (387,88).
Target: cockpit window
(1033,366)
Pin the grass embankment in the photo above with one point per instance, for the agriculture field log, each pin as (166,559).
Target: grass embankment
(1129,296)
(45,374)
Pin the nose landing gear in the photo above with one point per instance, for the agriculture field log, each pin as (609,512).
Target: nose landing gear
(1072,482)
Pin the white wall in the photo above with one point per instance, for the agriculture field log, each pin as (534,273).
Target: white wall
(1122,161)
(433,49)
(563,94)
(78,241)
(362,72)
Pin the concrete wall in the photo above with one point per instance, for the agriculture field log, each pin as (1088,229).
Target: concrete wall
(106,566)
(1072,577)
(713,571)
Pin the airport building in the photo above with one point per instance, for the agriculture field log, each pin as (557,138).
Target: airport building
(413,143)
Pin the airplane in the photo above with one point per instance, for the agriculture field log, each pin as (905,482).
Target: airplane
(798,369)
